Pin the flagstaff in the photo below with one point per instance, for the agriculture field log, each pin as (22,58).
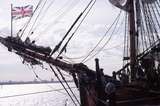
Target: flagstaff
(11,21)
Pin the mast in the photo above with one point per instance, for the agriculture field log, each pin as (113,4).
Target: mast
(132,33)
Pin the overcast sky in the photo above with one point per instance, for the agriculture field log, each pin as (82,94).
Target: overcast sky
(51,26)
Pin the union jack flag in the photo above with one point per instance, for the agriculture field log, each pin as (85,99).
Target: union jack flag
(21,12)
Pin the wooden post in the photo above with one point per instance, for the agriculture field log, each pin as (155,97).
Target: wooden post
(99,85)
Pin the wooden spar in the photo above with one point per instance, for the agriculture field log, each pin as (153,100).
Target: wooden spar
(86,77)
(132,33)
(89,81)
(76,68)
(64,66)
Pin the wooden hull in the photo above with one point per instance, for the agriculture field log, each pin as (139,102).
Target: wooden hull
(128,96)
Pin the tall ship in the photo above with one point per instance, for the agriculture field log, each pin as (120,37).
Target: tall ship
(136,83)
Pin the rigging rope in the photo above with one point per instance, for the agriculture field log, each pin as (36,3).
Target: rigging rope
(115,22)
(67,85)
(142,28)
(60,43)
(82,57)
(149,24)
(33,93)
(62,84)
(125,39)
(152,22)
(156,18)
(39,3)
(64,47)
(30,32)
(47,8)
(145,21)
(37,77)
(58,18)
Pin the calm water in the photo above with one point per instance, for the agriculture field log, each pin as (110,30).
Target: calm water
(26,95)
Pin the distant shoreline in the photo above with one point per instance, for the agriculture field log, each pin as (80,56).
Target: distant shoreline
(31,82)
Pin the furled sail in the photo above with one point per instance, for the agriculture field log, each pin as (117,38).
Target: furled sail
(119,3)
(122,4)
